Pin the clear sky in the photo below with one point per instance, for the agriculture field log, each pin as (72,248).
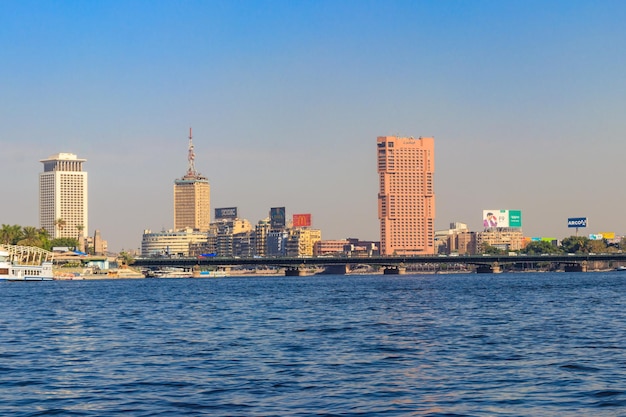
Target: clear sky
(525,100)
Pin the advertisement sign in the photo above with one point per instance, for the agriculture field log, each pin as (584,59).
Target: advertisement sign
(542,239)
(595,237)
(502,218)
(277,217)
(608,235)
(226,213)
(302,220)
(577,222)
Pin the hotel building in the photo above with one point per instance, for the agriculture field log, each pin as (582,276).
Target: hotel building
(63,196)
(192,207)
(406,197)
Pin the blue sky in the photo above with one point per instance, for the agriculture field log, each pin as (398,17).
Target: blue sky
(525,100)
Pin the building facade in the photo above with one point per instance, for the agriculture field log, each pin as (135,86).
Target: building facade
(406,197)
(170,242)
(503,238)
(192,197)
(192,204)
(63,208)
(301,241)
(458,239)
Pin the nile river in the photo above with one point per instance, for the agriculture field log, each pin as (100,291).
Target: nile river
(549,344)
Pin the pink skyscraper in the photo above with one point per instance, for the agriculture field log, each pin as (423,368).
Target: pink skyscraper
(406,199)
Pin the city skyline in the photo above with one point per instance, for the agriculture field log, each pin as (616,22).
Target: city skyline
(522,98)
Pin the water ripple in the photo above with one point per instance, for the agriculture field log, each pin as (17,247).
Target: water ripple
(459,345)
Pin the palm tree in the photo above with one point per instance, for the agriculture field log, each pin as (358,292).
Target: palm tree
(60,224)
(5,237)
(44,236)
(10,235)
(30,237)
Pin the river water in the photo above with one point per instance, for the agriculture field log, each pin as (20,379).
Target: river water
(550,344)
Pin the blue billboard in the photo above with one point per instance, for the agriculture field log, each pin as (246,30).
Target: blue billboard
(277,217)
(577,222)
(226,213)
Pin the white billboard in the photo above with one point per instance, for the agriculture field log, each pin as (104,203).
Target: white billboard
(502,218)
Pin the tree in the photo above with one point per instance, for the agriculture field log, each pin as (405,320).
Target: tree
(491,250)
(64,242)
(60,224)
(44,237)
(537,248)
(126,258)
(575,244)
(10,235)
(30,237)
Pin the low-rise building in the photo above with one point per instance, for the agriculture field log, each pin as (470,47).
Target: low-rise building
(170,242)
(503,238)
(330,247)
(301,241)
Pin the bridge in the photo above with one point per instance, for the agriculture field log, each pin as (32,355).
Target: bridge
(391,264)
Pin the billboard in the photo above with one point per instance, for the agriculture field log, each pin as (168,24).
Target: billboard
(608,235)
(577,222)
(277,217)
(226,213)
(502,218)
(302,220)
(543,239)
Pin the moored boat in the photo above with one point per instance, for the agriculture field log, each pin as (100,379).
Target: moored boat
(11,270)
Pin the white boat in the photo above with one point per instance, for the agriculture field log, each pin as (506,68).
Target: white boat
(173,273)
(13,271)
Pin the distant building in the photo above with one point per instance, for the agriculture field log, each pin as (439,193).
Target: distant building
(330,247)
(406,197)
(98,244)
(192,207)
(301,241)
(350,247)
(63,209)
(276,243)
(228,237)
(260,231)
(457,239)
(362,248)
(170,242)
(507,239)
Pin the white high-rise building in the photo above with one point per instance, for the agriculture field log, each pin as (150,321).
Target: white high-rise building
(63,196)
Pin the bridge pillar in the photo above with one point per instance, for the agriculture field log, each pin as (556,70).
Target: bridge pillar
(394,270)
(335,270)
(494,268)
(581,267)
(293,272)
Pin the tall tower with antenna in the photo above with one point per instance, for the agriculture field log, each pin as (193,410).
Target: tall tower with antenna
(192,196)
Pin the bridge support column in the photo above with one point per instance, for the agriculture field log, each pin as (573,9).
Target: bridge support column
(494,268)
(335,270)
(293,272)
(394,270)
(582,267)
(196,271)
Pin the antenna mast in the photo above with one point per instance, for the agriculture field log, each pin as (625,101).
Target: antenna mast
(191,156)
